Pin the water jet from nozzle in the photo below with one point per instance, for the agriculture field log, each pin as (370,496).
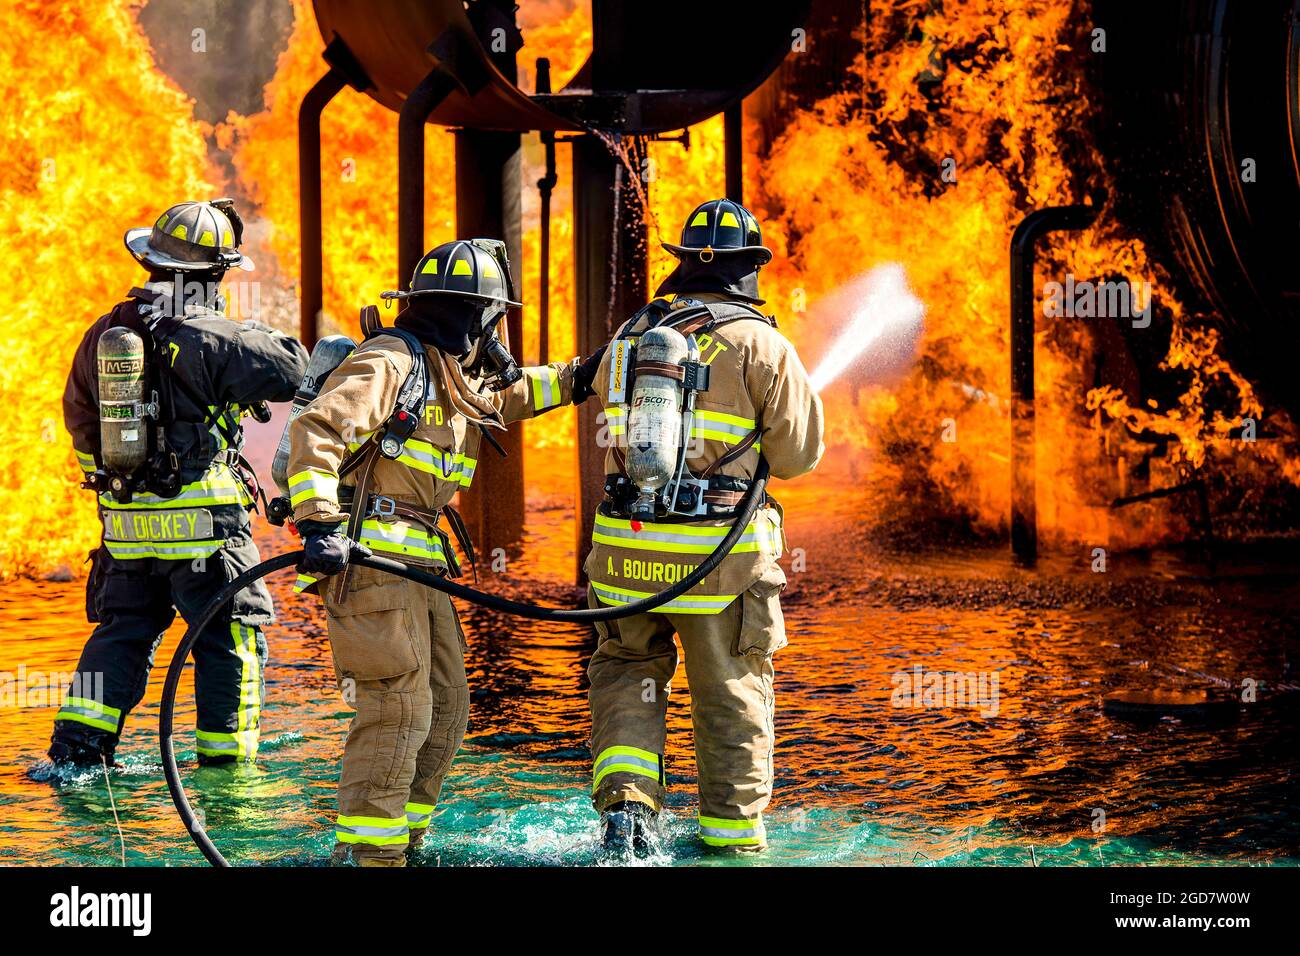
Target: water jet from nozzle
(885,316)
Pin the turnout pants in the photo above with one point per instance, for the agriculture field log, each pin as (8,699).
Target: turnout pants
(132,603)
(729,672)
(399,656)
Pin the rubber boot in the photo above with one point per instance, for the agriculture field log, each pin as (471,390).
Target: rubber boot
(74,752)
(626,828)
(417,837)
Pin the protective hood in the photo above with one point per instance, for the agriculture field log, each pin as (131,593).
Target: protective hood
(448,324)
(734,274)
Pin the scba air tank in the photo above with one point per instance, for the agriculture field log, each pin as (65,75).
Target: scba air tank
(123,432)
(654,429)
(328,355)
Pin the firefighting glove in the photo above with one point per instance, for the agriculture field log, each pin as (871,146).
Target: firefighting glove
(325,548)
(585,374)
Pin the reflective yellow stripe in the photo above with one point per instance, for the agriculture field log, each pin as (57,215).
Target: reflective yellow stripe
(83,710)
(719,832)
(87,462)
(241,746)
(304,581)
(685,604)
(468,466)
(312,483)
(375,831)
(623,759)
(410,540)
(544,382)
(748,424)
(616,419)
(249,717)
(681,538)
(164,550)
(218,486)
(418,815)
(423,456)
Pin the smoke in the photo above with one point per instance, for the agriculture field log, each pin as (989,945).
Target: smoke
(885,320)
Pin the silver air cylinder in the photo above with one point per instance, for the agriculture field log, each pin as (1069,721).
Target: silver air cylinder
(328,355)
(123,433)
(654,429)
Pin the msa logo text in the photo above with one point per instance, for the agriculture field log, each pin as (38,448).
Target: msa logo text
(75,909)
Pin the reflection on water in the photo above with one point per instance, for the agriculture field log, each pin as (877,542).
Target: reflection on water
(1048,778)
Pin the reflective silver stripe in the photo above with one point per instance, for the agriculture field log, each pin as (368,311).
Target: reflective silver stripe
(418,819)
(443,464)
(165,551)
(727,834)
(626,758)
(703,426)
(667,537)
(89,712)
(399,538)
(546,388)
(373,831)
(684,603)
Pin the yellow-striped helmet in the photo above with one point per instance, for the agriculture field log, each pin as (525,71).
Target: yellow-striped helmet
(191,237)
(720,227)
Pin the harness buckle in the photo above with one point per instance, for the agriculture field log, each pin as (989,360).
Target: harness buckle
(689,497)
(382,506)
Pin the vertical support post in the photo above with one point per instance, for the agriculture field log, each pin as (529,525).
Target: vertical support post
(424,99)
(488,195)
(609,239)
(1024,504)
(733,151)
(545,186)
(311,288)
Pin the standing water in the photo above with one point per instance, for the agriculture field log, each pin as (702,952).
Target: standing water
(1033,773)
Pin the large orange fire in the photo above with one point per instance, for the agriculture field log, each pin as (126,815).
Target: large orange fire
(981,89)
(93,143)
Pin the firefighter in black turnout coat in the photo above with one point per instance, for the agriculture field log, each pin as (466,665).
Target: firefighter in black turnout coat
(176,525)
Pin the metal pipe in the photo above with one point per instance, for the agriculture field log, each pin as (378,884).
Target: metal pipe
(732,143)
(424,99)
(1024,510)
(545,186)
(311,290)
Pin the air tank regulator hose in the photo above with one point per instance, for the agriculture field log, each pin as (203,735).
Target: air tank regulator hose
(749,505)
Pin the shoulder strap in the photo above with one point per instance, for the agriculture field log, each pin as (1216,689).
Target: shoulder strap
(411,396)
(709,316)
(655,308)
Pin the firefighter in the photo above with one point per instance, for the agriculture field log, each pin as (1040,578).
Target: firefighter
(183,531)
(356,474)
(758,399)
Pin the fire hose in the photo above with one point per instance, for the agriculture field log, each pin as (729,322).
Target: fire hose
(747,508)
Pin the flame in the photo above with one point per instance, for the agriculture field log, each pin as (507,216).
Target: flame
(98,140)
(979,89)
(976,90)
(358,179)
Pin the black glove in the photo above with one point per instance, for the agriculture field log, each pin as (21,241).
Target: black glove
(325,547)
(585,374)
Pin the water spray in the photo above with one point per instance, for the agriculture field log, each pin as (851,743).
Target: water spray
(884,307)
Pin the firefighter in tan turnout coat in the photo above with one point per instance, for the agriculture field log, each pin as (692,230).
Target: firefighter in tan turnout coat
(758,399)
(397,645)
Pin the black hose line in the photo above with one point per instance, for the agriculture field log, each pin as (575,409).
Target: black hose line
(749,505)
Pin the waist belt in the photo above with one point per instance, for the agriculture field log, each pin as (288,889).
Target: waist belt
(386,506)
(719,493)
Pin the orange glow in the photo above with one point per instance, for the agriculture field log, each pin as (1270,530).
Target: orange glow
(358,179)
